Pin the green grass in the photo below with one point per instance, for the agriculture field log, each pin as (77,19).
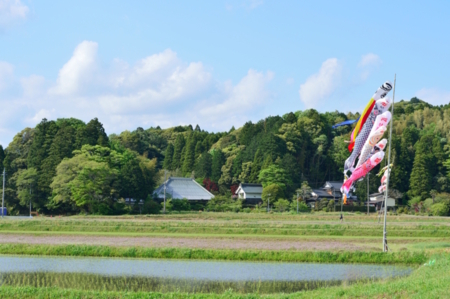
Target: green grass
(365,229)
(425,282)
(402,257)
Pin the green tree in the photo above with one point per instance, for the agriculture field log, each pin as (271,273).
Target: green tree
(423,169)
(267,162)
(25,183)
(304,191)
(178,149)
(95,187)
(2,157)
(272,192)
(199,149)
(274,175)
(92,134)
(256,166)
(245,175)
(281,205)
(62,146)
(218,161)
(168,157)
(189,155)
(203,169)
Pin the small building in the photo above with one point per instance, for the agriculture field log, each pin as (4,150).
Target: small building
(180,188)
(330,190)
(250,193)
(377,201)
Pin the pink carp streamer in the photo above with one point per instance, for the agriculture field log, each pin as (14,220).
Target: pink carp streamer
(380,107)
(377,132)
(380,146)
(361,171)
(382,188)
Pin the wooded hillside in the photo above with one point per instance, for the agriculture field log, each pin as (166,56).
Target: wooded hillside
(71,166)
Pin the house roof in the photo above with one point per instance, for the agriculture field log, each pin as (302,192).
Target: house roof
(250,188)
(378,197)
(324,194)
(183,188)
(333,184)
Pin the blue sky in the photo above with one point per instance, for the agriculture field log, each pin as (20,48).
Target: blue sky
(213,63)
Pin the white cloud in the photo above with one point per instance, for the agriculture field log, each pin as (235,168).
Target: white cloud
(77,70)
(248,96)
(41,114)
(6,74)
(12,11)
(434,96)
(160,89)
(369,59)
(322,84)
(33,86)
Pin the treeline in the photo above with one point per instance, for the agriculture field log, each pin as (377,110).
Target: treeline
(74,167)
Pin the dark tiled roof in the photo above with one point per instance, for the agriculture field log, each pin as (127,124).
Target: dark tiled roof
(333,184)
(252,188)
(183,188)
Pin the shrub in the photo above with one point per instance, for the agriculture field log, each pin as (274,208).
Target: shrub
(282,205)
(179,205)
(302,207)
(439,209)
(222,203)
(330,206)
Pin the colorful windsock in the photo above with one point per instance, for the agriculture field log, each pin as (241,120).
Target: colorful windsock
(380,107)
(362,171)
(381,92)
(380,146)
(375,135)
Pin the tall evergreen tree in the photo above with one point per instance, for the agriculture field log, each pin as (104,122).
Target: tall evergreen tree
(43,137)
(62,147)
(168,158)
(189,155)
(267,162)
(2,157)
(256,166)
(423,169)
(217,162)
(92,134)
(199,149)
(204,166)
(179,145)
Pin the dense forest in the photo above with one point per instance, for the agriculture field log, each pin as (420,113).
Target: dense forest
(67,166)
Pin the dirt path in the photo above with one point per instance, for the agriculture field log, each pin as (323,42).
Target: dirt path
(212,243)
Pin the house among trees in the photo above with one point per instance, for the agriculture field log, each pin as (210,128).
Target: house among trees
(377,201)
(250,193)
(330,190)
(180,188)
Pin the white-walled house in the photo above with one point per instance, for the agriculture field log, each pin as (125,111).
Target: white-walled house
(250,193)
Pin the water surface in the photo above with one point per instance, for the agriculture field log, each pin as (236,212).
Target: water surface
(184,275)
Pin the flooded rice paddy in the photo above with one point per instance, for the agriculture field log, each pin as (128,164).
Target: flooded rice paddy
(185,276)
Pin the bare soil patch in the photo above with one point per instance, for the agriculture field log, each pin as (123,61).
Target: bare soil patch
(206,243)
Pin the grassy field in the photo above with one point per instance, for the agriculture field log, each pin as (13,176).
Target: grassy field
(425,282)
(412,240)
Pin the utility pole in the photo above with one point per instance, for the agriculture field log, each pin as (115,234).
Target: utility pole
(385,246)
(334,199)
(368,193)
(164,209)
(30,200)
(297,202)
(3,192)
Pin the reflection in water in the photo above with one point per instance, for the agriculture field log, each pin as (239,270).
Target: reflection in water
(186,276)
